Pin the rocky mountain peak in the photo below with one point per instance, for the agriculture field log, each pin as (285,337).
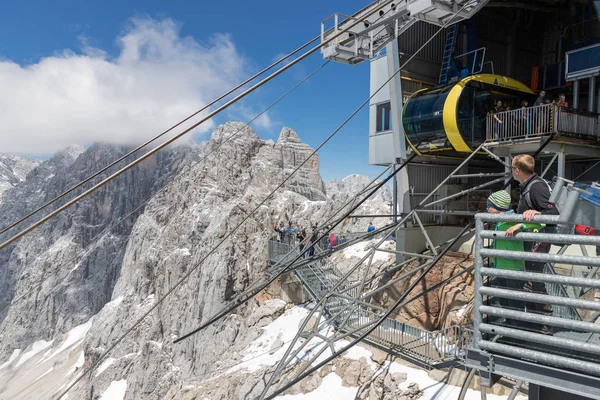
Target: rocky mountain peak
(233,130)
(105,261)
(13,170)
(355,184)
(70,153)
(288,135)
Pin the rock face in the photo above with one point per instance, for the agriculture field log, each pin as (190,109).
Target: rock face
(191,222)
(293,153)
(63,273)
(450,304)
(14,170)
(117,252)
(355,184)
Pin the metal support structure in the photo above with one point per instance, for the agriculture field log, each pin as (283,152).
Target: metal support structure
(560,170)
(357,317)
(365,40)
(346,300)
(592,94)
(576,94)
(358,321)
(550,164)
(561,345)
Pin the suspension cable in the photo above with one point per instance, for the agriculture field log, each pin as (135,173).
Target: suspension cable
(187,130)
(186,170)
(60,196)
(22,219)
(376,324)
(187,274)
(239,302)
(228,309)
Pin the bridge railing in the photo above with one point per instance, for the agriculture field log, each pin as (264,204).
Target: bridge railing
(429,347)
(517,314)
(540,120)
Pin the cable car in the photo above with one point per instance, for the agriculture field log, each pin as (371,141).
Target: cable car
(449,121)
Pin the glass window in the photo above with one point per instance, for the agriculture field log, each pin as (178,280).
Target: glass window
(423,119)
(384,117)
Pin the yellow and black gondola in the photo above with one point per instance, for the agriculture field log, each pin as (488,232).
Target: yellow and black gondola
(450,120)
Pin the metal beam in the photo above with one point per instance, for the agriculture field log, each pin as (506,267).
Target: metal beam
(528,371)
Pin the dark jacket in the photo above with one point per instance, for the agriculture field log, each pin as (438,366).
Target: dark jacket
(539,195)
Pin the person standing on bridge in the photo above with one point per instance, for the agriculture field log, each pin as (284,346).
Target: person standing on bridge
(499,203)
(534,200)
(371,228)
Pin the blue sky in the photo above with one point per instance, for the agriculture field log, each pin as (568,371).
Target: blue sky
(30,32)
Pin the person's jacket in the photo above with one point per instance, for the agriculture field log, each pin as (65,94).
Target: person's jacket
(536,191)
(514,245)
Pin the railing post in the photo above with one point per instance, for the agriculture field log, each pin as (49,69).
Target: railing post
(478,280)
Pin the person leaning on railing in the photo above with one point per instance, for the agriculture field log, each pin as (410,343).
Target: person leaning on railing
(499,203)
(534,200)
(524,120)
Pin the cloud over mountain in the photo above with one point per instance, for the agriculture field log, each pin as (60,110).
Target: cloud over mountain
(158,78)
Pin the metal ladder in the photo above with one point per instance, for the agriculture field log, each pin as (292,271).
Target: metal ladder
(447,58)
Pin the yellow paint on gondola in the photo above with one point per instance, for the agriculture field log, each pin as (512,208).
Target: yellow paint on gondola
(449,116)
(451,122)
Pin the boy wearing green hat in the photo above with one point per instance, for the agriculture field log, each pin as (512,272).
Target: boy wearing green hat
(499,203)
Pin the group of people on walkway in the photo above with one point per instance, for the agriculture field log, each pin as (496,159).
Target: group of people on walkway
(526,120)
(296,236)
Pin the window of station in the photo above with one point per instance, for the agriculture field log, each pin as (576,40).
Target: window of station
(384,117)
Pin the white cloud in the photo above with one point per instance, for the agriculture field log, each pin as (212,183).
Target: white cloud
(157,79)
(245,113)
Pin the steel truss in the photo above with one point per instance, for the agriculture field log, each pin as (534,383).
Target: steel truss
(344,303)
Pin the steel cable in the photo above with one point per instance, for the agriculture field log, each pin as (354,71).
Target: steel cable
(60,196)
(184,171)
(187,130)
(187,274)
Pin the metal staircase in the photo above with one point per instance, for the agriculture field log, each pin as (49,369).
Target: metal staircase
(447,58)
(373,32)
(348,313)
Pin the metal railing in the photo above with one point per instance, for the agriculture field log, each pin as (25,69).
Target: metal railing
(477,61)
(556,339)
(575,122)
(540,120)
(319,276)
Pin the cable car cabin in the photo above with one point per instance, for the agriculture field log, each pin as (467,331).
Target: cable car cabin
(450,120)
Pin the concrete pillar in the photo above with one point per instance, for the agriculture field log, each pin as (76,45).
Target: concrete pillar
(598,111)
(401,184)
(560,168)
(576,94)
(507,168)
(591,95)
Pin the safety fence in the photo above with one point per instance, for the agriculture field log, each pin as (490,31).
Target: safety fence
(353,316)
(541,120)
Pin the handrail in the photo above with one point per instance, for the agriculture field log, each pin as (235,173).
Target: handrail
(523,333)
(540,120)
(476,51)
(429,347)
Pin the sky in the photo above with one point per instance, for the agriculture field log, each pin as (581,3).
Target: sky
(75,72)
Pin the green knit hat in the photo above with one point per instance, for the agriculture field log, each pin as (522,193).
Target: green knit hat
(499,200)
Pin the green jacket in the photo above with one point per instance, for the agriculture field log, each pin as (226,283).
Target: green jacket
(514,245)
